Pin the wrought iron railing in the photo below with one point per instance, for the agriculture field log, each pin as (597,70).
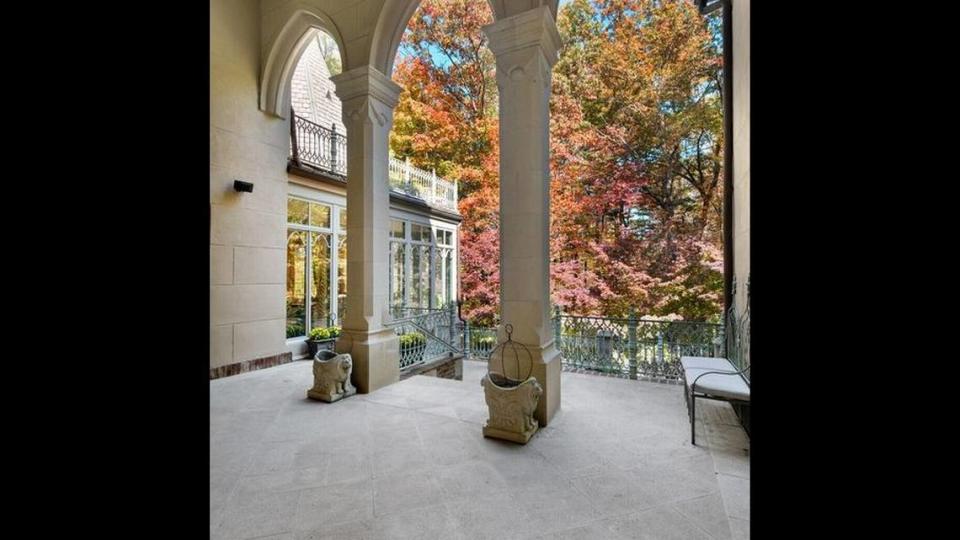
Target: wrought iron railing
(405,312)
(428,335)
(738,338)
(320,147)
(326,150)
(480,341)
(632,347)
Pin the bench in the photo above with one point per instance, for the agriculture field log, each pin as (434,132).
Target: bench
(712,378)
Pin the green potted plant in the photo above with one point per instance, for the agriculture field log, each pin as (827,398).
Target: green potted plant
(322,338)
(412,347)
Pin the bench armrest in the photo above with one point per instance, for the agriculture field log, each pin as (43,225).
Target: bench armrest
(740,372)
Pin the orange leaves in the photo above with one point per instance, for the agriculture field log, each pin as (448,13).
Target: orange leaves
(635,136)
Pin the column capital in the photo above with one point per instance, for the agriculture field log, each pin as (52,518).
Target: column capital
(364,82)
(531,29)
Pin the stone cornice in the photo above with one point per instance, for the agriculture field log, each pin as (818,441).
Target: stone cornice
(366,81)
(533,28)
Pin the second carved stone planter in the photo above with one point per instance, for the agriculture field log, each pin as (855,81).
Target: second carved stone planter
(511,393)
(511,405)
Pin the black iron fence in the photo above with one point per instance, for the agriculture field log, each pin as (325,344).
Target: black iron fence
(317,146)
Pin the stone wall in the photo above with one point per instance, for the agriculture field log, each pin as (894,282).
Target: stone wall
(247,230)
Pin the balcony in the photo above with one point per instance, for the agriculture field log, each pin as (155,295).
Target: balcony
(325,150)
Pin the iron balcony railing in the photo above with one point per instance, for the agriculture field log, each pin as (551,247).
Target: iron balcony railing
(325,149)
(630,347)
(426,334)
(317,146)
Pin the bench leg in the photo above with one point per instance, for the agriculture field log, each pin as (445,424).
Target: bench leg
(693,419)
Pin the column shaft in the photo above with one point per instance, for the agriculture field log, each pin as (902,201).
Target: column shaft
(368,99)
(525,46)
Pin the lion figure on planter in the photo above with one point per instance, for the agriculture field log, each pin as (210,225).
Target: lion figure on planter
(331,377)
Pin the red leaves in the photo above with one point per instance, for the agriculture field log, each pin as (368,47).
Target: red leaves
(635,190)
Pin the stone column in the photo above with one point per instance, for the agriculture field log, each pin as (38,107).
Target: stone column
(368,99)
(526,46)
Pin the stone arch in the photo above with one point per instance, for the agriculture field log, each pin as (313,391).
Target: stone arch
(396,14)
(284,53)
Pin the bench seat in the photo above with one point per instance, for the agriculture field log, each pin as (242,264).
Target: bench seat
(720,380)
(717,385)
(706,363)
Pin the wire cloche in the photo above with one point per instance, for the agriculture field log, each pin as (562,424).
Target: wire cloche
(510,354)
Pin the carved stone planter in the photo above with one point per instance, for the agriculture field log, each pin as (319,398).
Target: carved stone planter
(331,377)
(511,405)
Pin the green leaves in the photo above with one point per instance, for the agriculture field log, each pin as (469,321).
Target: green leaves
(324,332)
(412,339)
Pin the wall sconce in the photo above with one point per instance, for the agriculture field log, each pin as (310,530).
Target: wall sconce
(242,186)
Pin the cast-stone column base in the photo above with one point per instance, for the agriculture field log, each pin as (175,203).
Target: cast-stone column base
(376,358)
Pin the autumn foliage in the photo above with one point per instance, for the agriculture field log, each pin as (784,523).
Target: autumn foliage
(636,164)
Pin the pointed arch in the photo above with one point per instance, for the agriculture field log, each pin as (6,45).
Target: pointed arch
(396,14)
(284,53)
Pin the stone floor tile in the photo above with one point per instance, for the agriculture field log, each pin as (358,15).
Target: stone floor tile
(557,510)
(594,531)
(736,495)
(490,516)
(615,493)
(334,504)
(470,479)
(739,528)
(403,490)
(269,513)
(708,513)
(354,530)
(660,523)
(349,466)
(431,522)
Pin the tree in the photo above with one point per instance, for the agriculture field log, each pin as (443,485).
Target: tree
(447,120)
(636,140)
(330,52)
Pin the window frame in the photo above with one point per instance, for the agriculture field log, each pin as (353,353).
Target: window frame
(437,230)
(334,234)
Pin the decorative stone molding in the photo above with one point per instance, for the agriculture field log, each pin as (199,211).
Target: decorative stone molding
(281,54)
(366,81)
(365,110)
(511,408)
(331,377)
(520,37)
(507,8)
